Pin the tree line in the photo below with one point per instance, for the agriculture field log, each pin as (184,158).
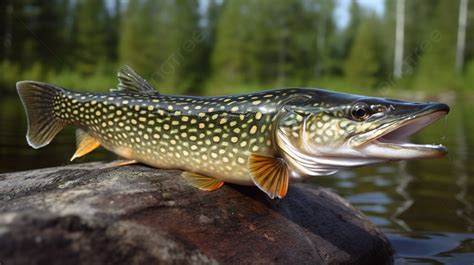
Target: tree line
(217,46)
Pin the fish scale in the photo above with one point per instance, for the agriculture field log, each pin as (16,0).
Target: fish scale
(261,139)
(212,136)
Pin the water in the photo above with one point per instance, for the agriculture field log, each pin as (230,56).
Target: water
(424,207)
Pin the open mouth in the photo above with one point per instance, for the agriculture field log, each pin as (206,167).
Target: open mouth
(390,142)
(396,139)
(410,127)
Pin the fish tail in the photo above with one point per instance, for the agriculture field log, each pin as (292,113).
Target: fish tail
(39,100)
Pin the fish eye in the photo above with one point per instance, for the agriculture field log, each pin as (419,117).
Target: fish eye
(360,111)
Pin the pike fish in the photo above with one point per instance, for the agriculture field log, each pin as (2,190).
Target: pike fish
(261,139)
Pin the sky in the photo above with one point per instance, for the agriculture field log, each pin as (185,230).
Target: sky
(341,13)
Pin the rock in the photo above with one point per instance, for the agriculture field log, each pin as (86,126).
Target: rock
(97,214)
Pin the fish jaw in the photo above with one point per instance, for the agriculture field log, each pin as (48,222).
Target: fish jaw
(391,141)
(383,137)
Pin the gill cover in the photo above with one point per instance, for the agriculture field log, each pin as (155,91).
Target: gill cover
(291,142)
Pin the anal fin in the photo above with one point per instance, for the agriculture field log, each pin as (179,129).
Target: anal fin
(270,174)
(85,144)
(202,182)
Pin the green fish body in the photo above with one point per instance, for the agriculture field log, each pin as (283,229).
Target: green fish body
(260,139)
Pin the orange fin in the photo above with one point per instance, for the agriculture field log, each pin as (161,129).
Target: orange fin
(270,174)
(120,163)
(202,182)
(85,144)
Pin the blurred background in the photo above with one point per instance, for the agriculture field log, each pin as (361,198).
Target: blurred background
(409,49)
(215,47)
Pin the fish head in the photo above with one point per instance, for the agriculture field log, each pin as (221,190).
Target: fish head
(349,130)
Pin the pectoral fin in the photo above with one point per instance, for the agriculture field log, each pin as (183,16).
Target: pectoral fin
(85,144)
(270,174)
(202,182)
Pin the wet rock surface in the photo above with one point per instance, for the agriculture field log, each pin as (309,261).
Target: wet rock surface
(97,214)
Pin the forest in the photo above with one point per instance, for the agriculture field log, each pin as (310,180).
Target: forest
(232,46)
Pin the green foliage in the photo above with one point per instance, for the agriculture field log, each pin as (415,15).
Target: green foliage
(98,81)
(33,31)
(170,58)
(102,80)
(469,76)
(363,63)
(271,42)
(419,34)
(469,53)
(436,66)
(10,75)
(232,46)
(356,17)
(90,40)
(34,72)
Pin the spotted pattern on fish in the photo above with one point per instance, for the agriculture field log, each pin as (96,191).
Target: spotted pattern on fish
(260,139)
(212,135)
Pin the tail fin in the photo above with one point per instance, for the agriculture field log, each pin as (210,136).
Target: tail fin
(38,101)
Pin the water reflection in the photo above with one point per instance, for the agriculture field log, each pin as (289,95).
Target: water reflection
(424,207)
(430,248)
(460,163)
(404,180)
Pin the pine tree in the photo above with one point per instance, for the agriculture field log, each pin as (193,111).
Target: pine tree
(6,21)
(418,18)
(134,32)
(52,31)
(325,37)
(186,46)
(34,31)
(90,27)
(162,40)
(113,28)
(265,42)
(343,39)
(363,65)
(437,64)
(229,65)
(356,16)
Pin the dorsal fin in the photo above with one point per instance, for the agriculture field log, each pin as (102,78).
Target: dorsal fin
(130,81)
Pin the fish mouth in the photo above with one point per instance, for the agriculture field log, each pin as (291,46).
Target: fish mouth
(391,140)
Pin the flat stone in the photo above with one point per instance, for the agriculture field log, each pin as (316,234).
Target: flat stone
(98,214)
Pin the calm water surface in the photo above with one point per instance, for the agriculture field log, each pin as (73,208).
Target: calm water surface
(424,207)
